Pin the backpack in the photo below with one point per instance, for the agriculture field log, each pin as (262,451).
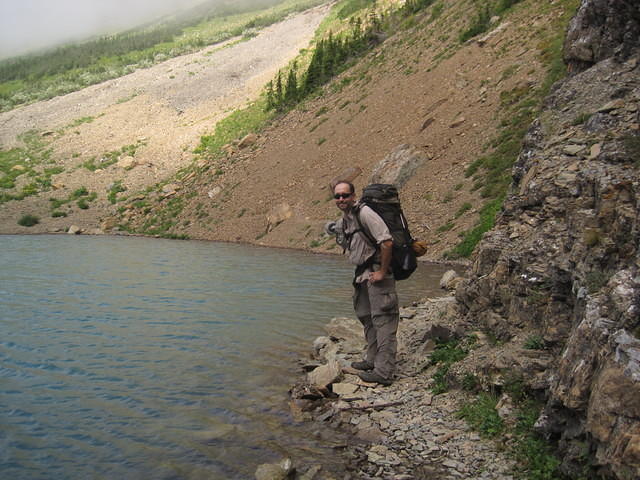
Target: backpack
(384,200)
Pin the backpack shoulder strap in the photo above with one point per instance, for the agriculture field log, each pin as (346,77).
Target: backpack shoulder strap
(362,229)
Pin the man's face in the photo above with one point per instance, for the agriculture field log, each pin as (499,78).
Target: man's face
(345,199)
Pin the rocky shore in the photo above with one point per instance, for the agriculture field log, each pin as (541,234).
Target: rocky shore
(400,432)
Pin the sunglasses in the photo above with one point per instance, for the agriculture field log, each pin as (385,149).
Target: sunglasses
(342,195)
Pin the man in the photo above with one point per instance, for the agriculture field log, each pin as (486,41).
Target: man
(375,300)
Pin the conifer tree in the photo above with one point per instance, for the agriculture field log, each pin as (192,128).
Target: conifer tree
(291,89)
(271,101)
(279,93)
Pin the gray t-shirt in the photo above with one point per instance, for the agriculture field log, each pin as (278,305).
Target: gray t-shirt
(359,249)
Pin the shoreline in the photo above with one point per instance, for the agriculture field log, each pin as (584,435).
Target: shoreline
(461,264)
(403,431)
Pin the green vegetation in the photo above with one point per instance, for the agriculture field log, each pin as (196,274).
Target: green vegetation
(481,414)
(445,355)
(69,68)
(109,158)
(113,191)
(28,220)
(29,161)
(479,24)
(241,122)
(580,119)
(471,238)
(533,455)
(334,53)
(535,342)
(350,7)
(81,196)
(465,207)
(164,219)
(328,59)
(446,227)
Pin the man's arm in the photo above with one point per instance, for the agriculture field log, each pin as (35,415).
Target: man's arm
(386,251)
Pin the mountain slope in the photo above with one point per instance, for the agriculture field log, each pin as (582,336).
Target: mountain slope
(419,87)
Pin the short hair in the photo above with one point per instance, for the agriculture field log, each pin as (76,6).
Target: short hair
(353,189)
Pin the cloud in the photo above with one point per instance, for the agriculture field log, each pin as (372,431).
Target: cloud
(26,25)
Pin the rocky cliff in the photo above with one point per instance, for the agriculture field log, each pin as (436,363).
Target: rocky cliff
(563,262)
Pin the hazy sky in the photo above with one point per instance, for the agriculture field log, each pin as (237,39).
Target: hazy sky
(29,24)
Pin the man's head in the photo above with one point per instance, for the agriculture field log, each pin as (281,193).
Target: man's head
(345,195)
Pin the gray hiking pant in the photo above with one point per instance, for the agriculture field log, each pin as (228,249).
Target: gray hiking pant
(376,306)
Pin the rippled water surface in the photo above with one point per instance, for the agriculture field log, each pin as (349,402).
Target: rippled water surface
(139,358)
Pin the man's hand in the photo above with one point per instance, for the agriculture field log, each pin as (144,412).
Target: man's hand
(385,261)
(375,277)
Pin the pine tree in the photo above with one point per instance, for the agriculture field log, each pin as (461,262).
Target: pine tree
(291,89)
(271,101)
(279,93)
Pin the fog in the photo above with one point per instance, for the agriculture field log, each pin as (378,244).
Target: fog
(26,25)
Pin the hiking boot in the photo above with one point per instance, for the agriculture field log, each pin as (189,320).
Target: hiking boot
(362,365)
(373,377)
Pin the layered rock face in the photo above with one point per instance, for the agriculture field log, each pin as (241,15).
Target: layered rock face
(564,261)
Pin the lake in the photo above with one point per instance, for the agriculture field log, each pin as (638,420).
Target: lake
(130,358)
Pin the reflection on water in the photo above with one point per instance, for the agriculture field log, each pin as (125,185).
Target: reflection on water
(140,358)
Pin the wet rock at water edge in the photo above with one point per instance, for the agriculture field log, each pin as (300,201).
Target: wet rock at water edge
(276,471)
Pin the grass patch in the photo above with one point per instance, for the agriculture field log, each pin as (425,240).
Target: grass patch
(113,191)
(445,355)
(29,161)
(481,414)
(535,342)
(471,238)
(28,220)
(580,119)
(465,207)
(479,24)
(109,158)
(446,227)
(241,122)
(81,196)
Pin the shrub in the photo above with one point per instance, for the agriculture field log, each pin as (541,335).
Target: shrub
(28,220)
(481,414)
(445,354)
(534,342)
(480,24)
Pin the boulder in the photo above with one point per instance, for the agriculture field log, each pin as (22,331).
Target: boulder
(278,214)
(450,280)
(248,140)
(127,162)
(275,471)
(74,230)
(599,30)
(399,165)
(347,175)
(344,389)
(109,224)
(325,375)
(214,192)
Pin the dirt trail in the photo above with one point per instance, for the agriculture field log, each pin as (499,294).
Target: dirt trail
(167,107)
